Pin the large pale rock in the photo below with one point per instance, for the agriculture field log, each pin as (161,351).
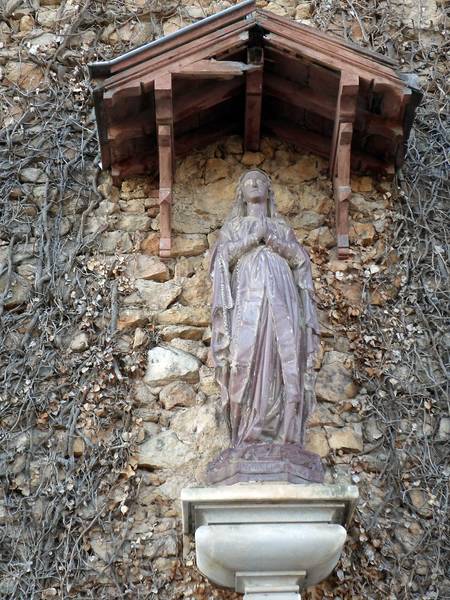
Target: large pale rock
(19,290)
(334,382)
(216,199)
(323,415)
(346,439)
(26,23)
(252,159)
(80,342)
(307,219)
(321,237)
(444,429)
(420,500)
(137,187)
(161,545)
(26,75)
(130,318)
(208,383)
(303,11)
(158,296)
(195,348)
(362,233)
(358,203)
(164,451)
(216,168)
(316,441)
(149,267)
(306,168)
(129,222)
(44,41)
(313,199)
(186,267)
(186,220)
(113,242)
(47,17)
(286,201)
(197,290)
(198,316)
(177,393)
(185,332)
(182,245)
(170,364)
(277,8)
(196,425)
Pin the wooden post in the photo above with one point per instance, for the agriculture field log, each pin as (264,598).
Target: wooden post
(341,186)
(253,98)
(340,157)
(164,124)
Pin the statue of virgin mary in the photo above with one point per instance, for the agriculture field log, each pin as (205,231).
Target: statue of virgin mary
(264,328)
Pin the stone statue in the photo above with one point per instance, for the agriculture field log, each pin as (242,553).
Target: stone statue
(264,337)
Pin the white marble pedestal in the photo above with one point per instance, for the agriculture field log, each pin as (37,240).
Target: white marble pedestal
(268,540)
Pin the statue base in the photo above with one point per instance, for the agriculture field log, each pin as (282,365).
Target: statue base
(268,541)
(265,462)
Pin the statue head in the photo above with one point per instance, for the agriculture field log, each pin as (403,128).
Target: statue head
(254,187)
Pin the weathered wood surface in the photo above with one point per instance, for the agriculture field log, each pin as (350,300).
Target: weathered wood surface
(166,152)
(253,99)
(249,71)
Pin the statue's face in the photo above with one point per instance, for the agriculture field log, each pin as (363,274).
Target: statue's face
(255,187)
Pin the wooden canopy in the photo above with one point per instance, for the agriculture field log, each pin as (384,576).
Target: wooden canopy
(246,71)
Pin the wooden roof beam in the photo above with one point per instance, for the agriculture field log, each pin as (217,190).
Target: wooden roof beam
(200,99)
(301,138)
(253,99)
(212,69)
(329,47)
(317,53)
(299,96)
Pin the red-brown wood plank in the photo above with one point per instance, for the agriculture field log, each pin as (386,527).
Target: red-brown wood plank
(164,122)
(341,186)
(327,45)
(253,99)
(302,97)
(203,97)
(211,69)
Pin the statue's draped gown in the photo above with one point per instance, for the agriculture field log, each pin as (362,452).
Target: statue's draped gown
(265,330)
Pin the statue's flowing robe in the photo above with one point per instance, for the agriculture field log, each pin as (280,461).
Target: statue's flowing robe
(264,331)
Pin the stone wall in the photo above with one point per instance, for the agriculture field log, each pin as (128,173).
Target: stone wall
(179,423)
(96,442)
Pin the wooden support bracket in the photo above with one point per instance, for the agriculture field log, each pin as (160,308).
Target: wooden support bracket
(341,187)
(253,99)
(164,122)
(340,157)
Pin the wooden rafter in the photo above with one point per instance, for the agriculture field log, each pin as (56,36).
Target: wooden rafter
(212,69)
(253,99)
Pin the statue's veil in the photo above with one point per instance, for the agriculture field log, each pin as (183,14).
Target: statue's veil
(239,208)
